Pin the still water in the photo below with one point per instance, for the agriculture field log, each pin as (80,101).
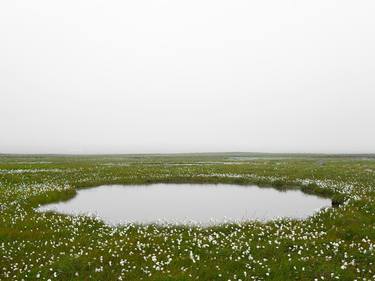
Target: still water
(205,204)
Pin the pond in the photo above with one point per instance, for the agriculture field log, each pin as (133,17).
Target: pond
(204,204)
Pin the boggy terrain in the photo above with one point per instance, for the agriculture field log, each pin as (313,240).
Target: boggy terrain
(335,244)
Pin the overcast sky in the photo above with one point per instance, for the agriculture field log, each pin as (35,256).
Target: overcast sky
(88,76)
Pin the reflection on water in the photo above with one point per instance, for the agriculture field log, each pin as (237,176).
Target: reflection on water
(189,203)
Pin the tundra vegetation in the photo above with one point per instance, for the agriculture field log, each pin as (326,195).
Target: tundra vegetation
(335,244)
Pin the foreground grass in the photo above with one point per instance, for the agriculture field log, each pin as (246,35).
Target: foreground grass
(336,244)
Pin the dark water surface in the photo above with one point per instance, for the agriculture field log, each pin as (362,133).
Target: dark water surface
(189,203)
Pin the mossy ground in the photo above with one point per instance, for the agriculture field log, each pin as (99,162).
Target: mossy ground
(336,244)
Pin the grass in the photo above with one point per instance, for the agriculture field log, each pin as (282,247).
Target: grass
(336,244)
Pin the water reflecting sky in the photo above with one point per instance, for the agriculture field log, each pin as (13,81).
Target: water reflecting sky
(181,203)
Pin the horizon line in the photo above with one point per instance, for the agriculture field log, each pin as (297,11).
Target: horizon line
(193,153)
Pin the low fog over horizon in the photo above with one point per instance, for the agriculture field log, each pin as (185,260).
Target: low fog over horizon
(158,76)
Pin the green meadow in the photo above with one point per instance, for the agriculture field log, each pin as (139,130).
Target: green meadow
(334,244)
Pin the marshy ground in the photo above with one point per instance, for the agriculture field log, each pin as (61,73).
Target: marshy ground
(335,244)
